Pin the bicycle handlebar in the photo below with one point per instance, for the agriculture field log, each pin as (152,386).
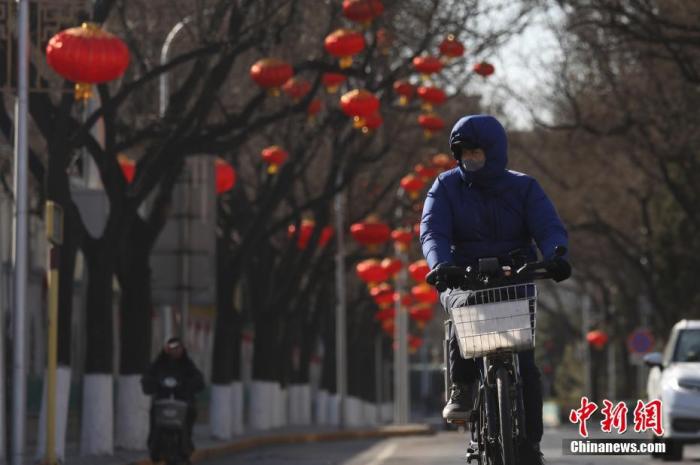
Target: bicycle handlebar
(445,277)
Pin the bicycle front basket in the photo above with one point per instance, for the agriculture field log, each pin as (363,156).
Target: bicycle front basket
(500,319)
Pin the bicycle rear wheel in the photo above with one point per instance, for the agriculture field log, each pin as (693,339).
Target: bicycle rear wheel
(505,416)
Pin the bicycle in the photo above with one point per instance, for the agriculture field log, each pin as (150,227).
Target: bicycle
(496,322)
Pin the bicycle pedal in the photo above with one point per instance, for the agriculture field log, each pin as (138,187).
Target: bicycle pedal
(473,456)
(458,422)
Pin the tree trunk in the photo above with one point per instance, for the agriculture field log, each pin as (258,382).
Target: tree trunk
(266,357)
(226,363)
(226,406)
(66,271)
(135,335)
(135,307)
(98,412)
(99,344)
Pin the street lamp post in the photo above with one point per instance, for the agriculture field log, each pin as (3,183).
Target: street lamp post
(183,262)
(20,235)
(341,307)
(401,378)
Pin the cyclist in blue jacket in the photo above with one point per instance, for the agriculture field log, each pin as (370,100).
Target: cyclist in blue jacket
(481,209)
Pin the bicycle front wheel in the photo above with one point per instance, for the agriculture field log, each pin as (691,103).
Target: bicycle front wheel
(505,416)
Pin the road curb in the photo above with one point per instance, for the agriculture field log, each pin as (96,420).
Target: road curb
(300,438)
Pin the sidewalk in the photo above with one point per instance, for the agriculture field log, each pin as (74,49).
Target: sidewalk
(208,448)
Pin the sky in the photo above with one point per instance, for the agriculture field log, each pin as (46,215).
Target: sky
(524,65)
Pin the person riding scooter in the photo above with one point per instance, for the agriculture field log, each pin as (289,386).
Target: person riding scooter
(173,375)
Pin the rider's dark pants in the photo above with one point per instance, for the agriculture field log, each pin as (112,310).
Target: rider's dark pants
(465,371)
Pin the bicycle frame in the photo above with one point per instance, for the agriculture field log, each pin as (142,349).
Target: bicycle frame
(484,423)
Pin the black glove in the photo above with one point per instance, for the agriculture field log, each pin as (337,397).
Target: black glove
(559,268)
(434,279)
(442,280)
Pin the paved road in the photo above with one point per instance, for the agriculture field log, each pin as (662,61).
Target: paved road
(445,448)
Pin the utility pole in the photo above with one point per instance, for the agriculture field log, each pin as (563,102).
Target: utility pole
(586,348)
(341,305)
(54,233)
(19,249)
(401,374)
(612,368)
(401,380)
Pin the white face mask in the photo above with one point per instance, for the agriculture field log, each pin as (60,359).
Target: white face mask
(473,165)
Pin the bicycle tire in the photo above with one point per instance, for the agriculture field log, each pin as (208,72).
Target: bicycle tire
(505,416)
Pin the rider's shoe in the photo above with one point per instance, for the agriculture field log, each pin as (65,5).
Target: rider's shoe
(530,454)
(460,405)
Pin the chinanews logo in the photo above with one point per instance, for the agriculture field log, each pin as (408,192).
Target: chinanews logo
(646,416)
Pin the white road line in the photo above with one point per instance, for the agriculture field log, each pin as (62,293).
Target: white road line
(384,454)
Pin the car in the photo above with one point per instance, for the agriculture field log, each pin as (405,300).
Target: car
(674,378)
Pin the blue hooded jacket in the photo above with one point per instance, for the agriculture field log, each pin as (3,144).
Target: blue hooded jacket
(489,212)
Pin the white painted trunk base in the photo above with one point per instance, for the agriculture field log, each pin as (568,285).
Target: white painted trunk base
(321,410)
(333,410)
(281,406)
(299,404)
(131,428)
(237,407)
(370,414)
(97,430)
(260,408)
(221,411)
(353,412)
(304,404)
(293,404)
(63,375)
(387,412)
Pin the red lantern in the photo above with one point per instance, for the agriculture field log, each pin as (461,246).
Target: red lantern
(431,96)
(296,88)
(386,314)
(484,69)
(421,314)
(406,299)
(443,161)
(362,11)
(597,338)
(425,293)
(431,124)
(271,73)
(383,295)
(384,40)
(360,104)
(370,232)
(413,185)
(370,271)
(331,81)
(402,238)
(87,55)
(414,343)
(128,167)
(425,172)
(274,156)
(405,90)
(225,176)
(344,44)
(416,229)
(419,270)
(451,47)
(372,122)
(427,65)
(306,230)
(313,108)
(388,325)
(392,266)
